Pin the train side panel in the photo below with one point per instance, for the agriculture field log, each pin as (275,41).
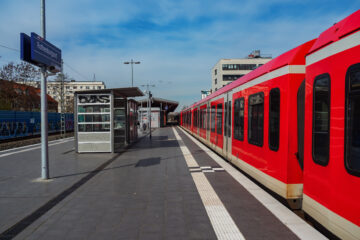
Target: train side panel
(330,189)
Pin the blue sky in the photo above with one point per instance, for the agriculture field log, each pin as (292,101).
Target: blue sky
(177,42)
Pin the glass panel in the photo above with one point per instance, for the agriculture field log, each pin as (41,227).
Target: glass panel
(256,119)
(81,118)
(213,118)
(120,124)
(81,109)
(219,122)
(229,119)
(321,114)
(274,119)
(88,118)
(352,134)
(225,120)
(239,119)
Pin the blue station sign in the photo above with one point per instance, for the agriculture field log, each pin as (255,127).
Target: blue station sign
(25,48)
(40,52)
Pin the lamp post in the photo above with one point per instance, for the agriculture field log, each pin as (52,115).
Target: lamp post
(44,107)
(132,70)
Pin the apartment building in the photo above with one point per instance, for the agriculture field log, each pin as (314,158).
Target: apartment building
(54,90)
(226,71)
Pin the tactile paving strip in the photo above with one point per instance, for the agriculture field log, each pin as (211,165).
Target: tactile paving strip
(224,226)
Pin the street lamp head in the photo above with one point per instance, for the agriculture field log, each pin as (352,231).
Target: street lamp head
(137,62)
(126,63)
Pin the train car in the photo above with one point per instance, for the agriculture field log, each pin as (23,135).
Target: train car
(264,142)
(295,127)
(332,130)
(18,124)
(244,123)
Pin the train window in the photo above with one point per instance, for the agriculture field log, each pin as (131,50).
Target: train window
(208,118)
(274,119)
(219,118)
(239,119)
(204,119)
(213,118)
(256,119)
(226,117)
(321,119)
(195,118)
(352,119)
(229,119)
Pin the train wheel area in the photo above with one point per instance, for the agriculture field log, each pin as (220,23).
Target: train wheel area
(167,187)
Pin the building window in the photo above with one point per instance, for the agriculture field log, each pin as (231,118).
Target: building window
(215,81)
(87,87)
(239,106)
(219,123)
(81,87)
(215,89)
(352,119)
(256,119)
(231,77)
(74,87)
(321,119)
(239,66)
(213,112)
(67,87)
(99,87)
(215,71)
(274,119)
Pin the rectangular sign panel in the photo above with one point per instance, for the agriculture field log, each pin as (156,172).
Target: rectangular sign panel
(25,48)
(44,53)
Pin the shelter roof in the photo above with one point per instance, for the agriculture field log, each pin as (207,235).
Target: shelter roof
(121,92)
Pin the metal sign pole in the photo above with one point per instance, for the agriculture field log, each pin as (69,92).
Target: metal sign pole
(44,116)
(132,73)
(150,112)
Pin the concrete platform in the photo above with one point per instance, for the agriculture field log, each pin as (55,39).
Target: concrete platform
(169,187)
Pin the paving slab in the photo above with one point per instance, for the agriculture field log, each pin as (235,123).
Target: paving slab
(145,193)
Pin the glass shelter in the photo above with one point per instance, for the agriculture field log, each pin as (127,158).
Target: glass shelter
(106,119)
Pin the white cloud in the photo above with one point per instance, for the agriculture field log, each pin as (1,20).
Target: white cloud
(92,40)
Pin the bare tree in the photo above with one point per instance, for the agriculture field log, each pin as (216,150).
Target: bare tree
(21,72)
(68,98)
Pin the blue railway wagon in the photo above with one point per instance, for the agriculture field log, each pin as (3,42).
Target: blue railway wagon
(16,124)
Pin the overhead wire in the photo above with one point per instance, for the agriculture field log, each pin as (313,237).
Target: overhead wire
(74,70)
(13,49)
(83,76)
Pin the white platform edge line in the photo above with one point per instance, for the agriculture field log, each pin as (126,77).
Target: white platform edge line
(37,144)
(30,149)
(223,224)
(297,225)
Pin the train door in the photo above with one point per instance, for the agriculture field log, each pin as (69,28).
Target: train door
(227,124)
(208,121)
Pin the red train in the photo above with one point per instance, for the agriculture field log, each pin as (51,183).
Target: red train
(293,124)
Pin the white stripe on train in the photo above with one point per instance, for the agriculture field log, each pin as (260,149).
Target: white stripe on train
(346,43)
